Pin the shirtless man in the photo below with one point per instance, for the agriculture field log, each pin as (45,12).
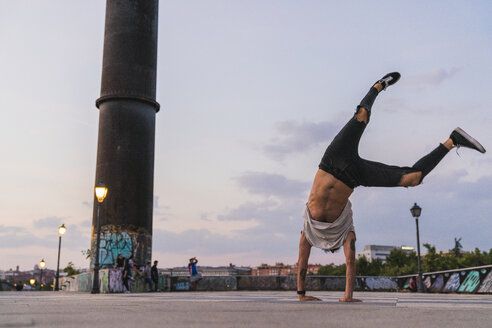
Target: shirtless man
(327,216)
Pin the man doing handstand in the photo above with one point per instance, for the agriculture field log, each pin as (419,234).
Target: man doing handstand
(328,222)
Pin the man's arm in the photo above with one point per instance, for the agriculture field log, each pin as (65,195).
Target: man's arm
(349,250)
(302,265)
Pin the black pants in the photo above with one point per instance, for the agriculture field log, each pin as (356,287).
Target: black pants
(342,159)
(125,283)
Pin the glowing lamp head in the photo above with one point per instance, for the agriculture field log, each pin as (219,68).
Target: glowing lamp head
(42,264)
(32,281)
(101,192)
(61,230)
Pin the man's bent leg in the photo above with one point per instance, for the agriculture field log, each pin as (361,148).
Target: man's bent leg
(349,250)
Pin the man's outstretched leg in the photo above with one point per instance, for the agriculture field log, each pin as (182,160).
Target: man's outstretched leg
(458,138)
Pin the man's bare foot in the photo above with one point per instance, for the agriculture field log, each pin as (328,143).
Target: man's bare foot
(303,298)
(349,300)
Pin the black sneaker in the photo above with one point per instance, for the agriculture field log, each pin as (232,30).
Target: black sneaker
(462,139)
(389,79)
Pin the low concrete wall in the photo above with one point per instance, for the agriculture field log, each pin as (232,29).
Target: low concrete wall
(110,281)
(283,283)
(466,280)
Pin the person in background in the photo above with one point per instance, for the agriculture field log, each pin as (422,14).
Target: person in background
(154,273)
(195,276)
(147,272)
(120,262)
(127,275)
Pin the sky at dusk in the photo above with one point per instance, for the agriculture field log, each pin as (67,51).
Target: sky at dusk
(251,94)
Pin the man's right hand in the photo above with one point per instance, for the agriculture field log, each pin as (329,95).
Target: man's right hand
(308,298)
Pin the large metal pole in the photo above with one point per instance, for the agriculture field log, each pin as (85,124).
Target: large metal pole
(58,266)
(420,285)
(95,279)
(125,152)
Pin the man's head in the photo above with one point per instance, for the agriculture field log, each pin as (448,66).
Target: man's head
(148,263)
(155,262)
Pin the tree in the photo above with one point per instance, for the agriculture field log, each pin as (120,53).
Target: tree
(70,270)
(368,268)
(457,247)
(332,270)
(399,262)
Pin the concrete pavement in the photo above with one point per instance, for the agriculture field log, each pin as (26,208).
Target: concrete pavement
(242,309)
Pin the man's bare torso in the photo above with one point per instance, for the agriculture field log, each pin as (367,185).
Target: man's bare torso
(328,197)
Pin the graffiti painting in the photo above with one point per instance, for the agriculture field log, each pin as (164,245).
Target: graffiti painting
(486,286)
(427,282)
(438,284)
(470,283)
(453,283)
(113,244)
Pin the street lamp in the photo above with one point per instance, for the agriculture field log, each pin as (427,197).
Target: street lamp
(32,281)
(61,231)
(101,192)
(416,210)
(42,264)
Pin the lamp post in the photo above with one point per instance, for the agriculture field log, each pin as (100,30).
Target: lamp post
(416,210)
(42,264)
(101,192)
(61,231)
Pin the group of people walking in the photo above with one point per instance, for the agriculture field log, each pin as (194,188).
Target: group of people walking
(148,272)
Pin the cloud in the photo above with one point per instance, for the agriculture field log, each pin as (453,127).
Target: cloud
(48,222)
(15,237)
(295,137)
(6,229)
(206,242)
(268,184)
(276,221)
(433,78)
(77,237)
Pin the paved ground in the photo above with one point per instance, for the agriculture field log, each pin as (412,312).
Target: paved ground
(242,309)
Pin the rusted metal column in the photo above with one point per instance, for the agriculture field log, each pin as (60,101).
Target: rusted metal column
(125,150)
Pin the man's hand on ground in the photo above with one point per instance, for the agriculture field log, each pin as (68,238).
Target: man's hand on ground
(308,298)
(349,300)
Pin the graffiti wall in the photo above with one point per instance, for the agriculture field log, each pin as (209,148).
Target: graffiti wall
(467,280)
(124,240)
(379,283)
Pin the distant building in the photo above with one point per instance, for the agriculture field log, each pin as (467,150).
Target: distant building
(372,252)
(280,269)
(16,275)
